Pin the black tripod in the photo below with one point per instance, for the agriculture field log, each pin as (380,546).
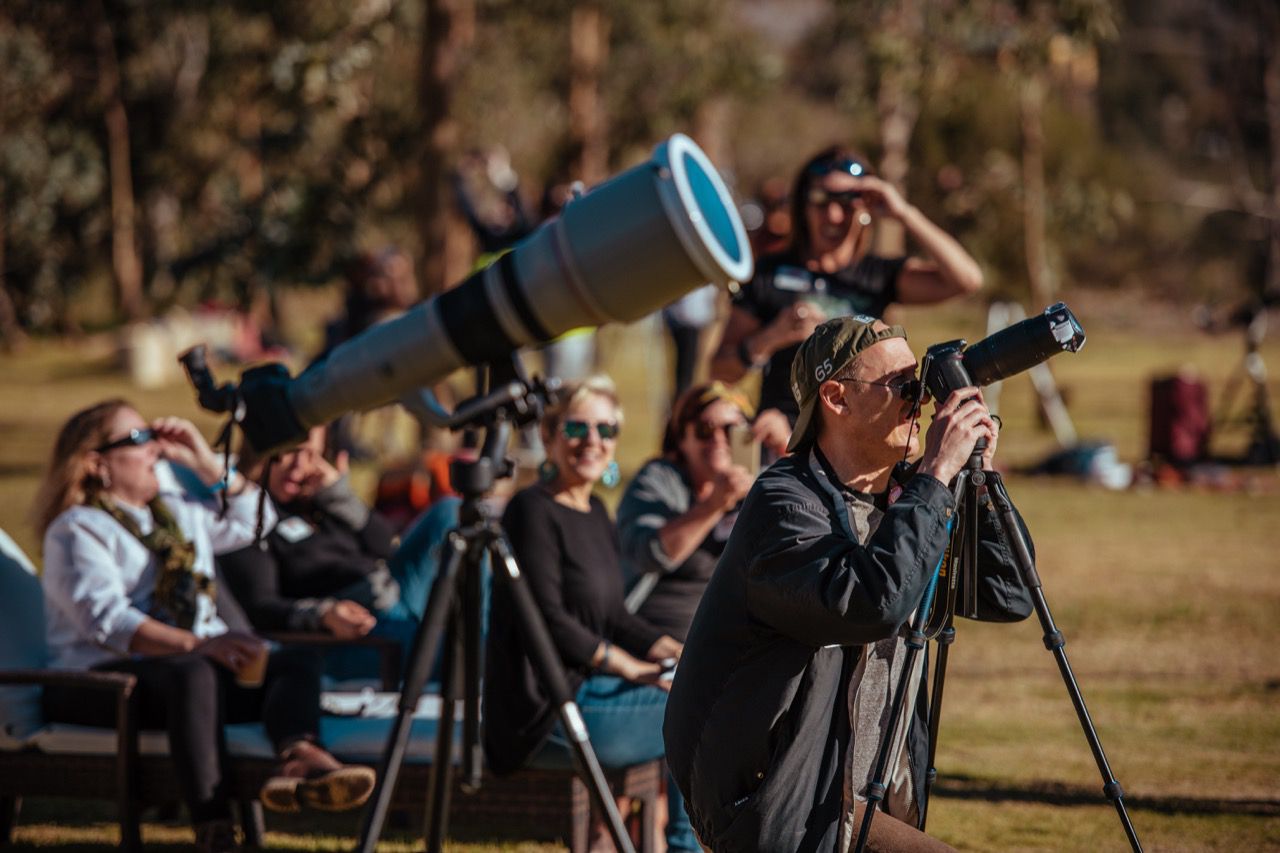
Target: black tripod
(454,612)
(975,488)
(1264,442)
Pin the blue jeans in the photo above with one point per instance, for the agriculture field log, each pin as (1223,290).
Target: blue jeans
(414,566)
(624,721)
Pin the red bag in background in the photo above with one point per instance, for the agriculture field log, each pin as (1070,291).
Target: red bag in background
(1180,420)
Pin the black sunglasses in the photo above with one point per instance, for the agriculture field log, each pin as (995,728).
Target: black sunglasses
(844,165)
(607,430)
(820,197)
(911,390)
(704,431)
(135,438)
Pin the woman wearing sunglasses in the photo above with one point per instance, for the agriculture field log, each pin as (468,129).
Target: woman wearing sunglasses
(129,587)
(567,548)
(828,271)
(678,511)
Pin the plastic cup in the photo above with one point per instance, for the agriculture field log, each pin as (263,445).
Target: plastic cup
(254,670)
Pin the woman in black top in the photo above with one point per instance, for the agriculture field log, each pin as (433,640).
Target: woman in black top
(567,547)
(828,271)
(678,511)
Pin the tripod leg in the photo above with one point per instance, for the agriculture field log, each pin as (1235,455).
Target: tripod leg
(546,660)
(473,657)
(965,543)
(425,644)
(876,788)
(442,762)
(1055,642)
(945,639)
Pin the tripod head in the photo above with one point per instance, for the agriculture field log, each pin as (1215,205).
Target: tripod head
(511,400)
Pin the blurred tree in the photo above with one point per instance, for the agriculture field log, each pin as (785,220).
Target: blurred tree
(1200,81)
(588,127)
(448,31)
(52,174)
(267,144)
(1038,35)
(125,263)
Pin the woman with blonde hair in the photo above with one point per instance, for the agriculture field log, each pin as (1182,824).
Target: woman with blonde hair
(129,587)
(567,548)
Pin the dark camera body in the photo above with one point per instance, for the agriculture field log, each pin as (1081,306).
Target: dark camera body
(950,365)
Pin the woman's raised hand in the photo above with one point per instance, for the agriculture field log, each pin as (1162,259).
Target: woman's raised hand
(179,441)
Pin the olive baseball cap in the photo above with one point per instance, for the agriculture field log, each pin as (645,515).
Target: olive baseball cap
(833,346)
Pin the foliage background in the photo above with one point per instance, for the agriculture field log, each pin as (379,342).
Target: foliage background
(267,143)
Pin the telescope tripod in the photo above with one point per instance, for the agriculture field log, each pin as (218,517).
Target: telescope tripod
(1264,442)
(454,613)
(975,488)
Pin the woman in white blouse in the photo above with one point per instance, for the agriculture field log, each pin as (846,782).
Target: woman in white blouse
(129,587)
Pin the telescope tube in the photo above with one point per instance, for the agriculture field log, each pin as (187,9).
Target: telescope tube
(628,247)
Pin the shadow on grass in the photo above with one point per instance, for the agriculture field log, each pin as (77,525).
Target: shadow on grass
(72,826)
(1058,794)
(21,469)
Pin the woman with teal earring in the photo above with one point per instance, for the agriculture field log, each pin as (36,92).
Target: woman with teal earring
(618,664)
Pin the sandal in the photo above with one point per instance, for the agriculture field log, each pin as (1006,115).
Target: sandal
(280,794)
(309,776)
(339,790)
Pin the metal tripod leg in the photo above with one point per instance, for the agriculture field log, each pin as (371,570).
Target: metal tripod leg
(1055,642)
(546,661)
(462,658)
(425,645)
(473,657)
(965,542)
(437,817)
(945,639)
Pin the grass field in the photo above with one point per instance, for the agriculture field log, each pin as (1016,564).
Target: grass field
(1168,599)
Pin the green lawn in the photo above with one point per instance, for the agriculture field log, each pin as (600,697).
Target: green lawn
(1168,599)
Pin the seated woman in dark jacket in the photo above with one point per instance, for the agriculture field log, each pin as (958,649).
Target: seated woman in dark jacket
(567,548)
(677,513)
(331,564)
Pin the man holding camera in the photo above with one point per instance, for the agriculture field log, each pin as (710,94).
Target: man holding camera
(783,693)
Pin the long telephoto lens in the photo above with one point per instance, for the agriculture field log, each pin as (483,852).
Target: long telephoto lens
(1024,345)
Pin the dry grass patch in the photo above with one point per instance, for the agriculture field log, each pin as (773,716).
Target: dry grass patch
(1168,601)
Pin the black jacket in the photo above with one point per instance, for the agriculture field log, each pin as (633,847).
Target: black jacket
(320,551)
(757,722)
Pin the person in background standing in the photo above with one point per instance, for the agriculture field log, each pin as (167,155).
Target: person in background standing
(829,271)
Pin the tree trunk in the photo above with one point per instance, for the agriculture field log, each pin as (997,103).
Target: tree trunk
(898,107)
(1271,86)
(712,131)
(448,29)
(125,261)
(1035,241)
(588,50)
(12,337)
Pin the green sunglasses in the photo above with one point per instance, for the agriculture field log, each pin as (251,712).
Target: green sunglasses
(607,430)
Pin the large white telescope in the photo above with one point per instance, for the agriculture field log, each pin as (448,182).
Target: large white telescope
(627,247)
